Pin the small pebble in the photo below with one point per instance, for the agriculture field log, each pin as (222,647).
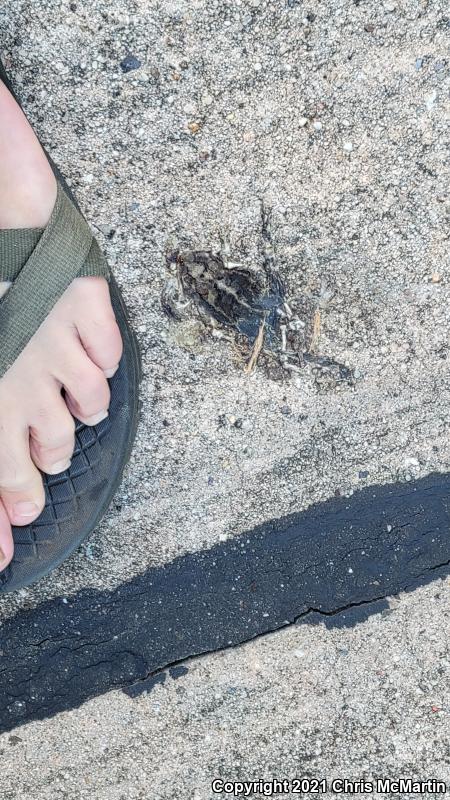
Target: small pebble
(317,125)
(303,121)
(194,127)
(430,100)
(190,109)
(436,277)
(129,63)
(348,147)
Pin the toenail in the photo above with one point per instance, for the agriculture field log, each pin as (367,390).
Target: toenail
(58,466)
(96,418)
(108,373)
(2,556)
(25,509)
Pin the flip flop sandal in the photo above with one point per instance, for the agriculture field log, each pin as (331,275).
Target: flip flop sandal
(41,264)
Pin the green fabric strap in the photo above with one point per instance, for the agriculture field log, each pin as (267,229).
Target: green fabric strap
(42,264)
(16,247)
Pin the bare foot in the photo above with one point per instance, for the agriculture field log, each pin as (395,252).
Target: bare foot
(76,349)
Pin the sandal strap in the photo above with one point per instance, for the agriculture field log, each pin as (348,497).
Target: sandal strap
(16,246)
(49,259)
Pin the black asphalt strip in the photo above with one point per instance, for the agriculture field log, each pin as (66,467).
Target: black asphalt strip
(336,562)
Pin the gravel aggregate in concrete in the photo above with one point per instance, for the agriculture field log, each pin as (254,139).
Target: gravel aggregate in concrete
(333,114)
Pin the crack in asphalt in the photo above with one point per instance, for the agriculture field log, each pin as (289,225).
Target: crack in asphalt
(288,624)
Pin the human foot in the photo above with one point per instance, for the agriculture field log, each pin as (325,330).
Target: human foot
(63,369)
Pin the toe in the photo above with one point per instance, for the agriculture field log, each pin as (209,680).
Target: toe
(21,488)
(6,540)
(52,434)
(98,329)
(87,391)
